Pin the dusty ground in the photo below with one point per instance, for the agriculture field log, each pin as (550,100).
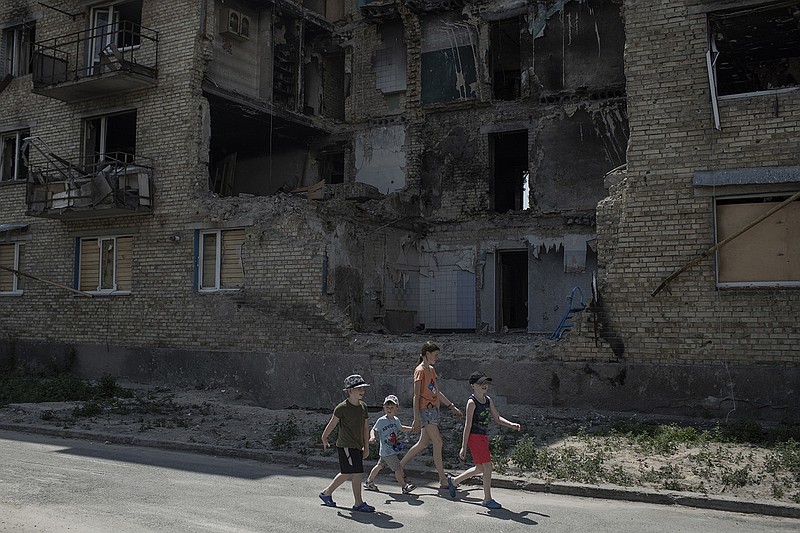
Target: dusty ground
(563,439)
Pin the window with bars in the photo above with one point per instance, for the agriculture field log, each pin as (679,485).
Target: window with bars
(105,264)
(219,262)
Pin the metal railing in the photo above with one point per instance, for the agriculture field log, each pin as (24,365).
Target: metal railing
(119,46)
(118,180)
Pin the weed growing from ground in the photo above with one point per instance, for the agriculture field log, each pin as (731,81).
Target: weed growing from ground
(284,432)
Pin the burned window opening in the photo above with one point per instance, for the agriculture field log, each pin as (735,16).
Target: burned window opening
(510,173)
(513,289)
(505,59)
(755,49)
(255,151)
(17,50)
(110,136)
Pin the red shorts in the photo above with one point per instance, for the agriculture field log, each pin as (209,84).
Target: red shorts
(479,448)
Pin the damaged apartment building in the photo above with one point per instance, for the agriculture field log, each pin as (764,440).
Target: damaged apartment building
(241,190)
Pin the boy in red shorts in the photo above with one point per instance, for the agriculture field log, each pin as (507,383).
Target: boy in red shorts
(480,408)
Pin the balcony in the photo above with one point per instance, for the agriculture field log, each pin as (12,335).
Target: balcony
(119,185)
(100,61)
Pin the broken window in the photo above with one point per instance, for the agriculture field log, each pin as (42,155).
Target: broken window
(389,62)
(510,174)
(579,45)
(105,264)
(220,260)
(115,27)
(449,59)
(505,59)
(14,155)
(754,49)
(11,255)
(768,254)
(17,49)
(110,137)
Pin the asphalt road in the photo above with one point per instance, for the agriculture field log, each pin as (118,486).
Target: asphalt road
(49,484)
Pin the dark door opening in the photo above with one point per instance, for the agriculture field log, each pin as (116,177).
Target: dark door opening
(505,59)
(511,187)
(513,290)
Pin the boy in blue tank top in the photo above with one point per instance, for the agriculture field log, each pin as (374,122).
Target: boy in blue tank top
(480,409)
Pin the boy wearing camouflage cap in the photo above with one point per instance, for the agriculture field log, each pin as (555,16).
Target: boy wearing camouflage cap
(351,442)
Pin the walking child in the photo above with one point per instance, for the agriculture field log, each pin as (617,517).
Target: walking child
(480,408)
(386,431)
(427,398)
(351,416)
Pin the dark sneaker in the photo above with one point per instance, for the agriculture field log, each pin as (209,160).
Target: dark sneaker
(327,500)
(451,487)
(408,487)
(364,508)
(370,485)
(491,504)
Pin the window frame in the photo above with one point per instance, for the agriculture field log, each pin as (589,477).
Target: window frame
(111,287)
(16,281)
(18,42)
(760,197)
(108,28)
(220,285)
(99,125)
(20,154)
(713,53)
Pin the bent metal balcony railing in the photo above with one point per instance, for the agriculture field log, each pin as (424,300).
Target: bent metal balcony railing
(120,46)
(118,183)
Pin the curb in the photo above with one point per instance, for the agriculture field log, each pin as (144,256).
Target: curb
(606,492)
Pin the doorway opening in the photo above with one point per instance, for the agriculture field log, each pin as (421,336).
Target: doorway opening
(513,289)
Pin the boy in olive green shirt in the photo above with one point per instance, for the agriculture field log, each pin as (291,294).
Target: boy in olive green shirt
(352,442)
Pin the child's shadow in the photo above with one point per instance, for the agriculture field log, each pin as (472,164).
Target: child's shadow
(410,499)
(377,519)
(506,514)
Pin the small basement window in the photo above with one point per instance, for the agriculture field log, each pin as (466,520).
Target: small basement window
(754,49)
(768,254)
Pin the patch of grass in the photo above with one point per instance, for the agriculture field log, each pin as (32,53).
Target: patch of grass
(785,456)
(60,387)
(284,432)
(88,410)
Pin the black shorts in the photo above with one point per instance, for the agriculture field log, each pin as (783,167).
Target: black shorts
(351,461)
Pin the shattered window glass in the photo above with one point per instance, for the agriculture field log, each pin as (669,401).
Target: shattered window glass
(756,49)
